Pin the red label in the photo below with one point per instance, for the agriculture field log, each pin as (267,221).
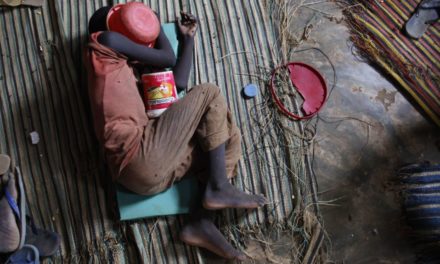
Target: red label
(159,90)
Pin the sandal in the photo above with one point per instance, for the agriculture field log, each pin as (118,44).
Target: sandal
(47,242)
(28,254)
(11,211)
(426,14)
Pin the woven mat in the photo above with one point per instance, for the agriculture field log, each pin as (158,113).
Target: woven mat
(421,201)
(42,89)
(413,64)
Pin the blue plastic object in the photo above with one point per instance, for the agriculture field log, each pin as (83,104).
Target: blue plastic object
(250,90)
(178,199)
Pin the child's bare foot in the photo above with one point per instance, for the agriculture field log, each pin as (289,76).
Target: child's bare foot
(203,233)
(227,196)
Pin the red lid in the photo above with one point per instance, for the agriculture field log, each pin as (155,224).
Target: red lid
(309,83)
(134,20)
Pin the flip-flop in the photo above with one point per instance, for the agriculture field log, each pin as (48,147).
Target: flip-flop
(18,209)
(28,254)
(426,14)
(47,242)
(22,207)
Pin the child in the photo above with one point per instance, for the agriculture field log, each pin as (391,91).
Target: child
(195,135)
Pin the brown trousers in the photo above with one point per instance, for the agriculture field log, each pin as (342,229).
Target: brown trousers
(176,142)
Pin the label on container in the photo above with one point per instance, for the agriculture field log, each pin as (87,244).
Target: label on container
(159,92)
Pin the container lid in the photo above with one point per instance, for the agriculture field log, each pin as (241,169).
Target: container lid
(309,83)
(250,90)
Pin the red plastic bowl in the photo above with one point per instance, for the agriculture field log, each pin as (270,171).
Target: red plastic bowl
(136,21)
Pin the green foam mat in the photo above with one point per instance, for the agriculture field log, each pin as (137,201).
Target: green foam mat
(176,200)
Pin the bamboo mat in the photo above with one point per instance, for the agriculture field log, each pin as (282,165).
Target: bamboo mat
(42,89)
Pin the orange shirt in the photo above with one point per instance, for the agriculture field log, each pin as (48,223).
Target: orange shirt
(118,111)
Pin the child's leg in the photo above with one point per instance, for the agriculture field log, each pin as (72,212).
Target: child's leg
(167,146)
(201,232)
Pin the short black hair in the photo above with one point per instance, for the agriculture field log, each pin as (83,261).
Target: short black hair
(98,21)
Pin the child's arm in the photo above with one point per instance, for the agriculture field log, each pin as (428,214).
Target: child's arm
(161,56)
(188,27)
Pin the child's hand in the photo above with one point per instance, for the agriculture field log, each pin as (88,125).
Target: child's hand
(187,24)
